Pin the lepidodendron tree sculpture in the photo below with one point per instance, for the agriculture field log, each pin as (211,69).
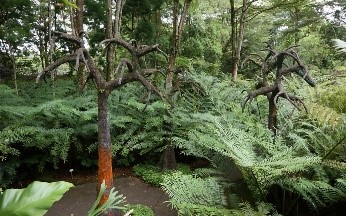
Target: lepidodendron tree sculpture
(275,61)
(104,89)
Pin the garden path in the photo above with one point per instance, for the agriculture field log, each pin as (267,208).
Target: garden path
(78,200)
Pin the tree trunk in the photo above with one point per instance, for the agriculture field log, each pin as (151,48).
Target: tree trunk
(239,40)
(105,172)
(296,25)
(117,20)
(14,66)
(232,39)
(78,28)
(168,159)
(272,115)
(182,21)
(174,49)
(110,56)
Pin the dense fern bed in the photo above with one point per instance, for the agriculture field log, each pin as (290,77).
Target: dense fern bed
(299,171)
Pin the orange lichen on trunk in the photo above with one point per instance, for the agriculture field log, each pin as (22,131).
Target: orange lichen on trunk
(105,172)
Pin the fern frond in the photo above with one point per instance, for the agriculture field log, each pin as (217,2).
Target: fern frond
(317,193)
(205,191)
(283,164)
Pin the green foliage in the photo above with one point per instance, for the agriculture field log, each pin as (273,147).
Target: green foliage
(334,96)
(34,200)
(206,191)
(35,131)
(192,48)
(319,193)
(153,174)
(149,173)
(204,196)
(140,210)
(67,3)
(50,124)
(316,51)
(219,135)
(145,31)
(114,201)
(323,114)
(188,209)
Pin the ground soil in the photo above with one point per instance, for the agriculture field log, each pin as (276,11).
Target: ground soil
(78,200)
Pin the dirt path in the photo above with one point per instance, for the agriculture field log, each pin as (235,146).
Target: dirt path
(78,200)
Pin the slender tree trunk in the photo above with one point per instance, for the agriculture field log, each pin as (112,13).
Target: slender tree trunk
(296,25)
(77,28)
(233,31)
(174,49)
(272,115)
(168,159)
(239,40)
(14,66)
(10,53)
(182,21)
(105,172)
(118,14)
(110,56)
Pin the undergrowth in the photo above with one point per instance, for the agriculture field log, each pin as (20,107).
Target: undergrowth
(139,210)
(154,175)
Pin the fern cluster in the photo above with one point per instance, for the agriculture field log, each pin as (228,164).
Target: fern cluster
(205,195)
(36,131)
(303,159)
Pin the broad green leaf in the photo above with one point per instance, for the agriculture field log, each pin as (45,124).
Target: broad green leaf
(34,200)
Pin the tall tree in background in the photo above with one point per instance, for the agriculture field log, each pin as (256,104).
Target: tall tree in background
(15,24)
(40,29)
(234,44)
(178,22)
(237,34)
(299,13)
(112,30)
(293,17)
(77,29)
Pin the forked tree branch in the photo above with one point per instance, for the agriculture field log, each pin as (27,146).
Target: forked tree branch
(69,58)
(69,37)
(133,74)
(253,94)
(138,51)
(119,41)
(276,90)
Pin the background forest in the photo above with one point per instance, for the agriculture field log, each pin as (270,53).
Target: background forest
(252,91)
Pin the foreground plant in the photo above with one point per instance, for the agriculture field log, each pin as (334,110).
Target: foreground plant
(114,202)
(34,200)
